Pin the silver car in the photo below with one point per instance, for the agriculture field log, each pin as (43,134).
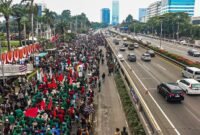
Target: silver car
(146,57)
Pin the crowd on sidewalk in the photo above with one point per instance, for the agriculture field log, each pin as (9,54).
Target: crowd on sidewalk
(61,94)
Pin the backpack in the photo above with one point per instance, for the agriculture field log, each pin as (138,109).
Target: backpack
(124,133)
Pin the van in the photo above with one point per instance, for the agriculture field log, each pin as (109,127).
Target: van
(191,72)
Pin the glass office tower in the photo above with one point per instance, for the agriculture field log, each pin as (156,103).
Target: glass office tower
(105,16)
(173,6)
(115,12)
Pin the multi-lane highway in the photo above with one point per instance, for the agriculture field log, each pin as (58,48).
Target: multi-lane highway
(171,47)
(173,118)
(168,46)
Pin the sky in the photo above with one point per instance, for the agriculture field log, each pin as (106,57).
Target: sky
(92,8)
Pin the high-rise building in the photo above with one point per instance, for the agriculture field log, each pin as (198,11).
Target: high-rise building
(142,14)
(174,6)
(115,12)
(153,9)
(41,8)
(105,16)
(197,8)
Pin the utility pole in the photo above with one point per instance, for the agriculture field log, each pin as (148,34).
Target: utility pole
(24,33)
(32,26)
(161,30)
(76,25)
(178,31)
(2,65)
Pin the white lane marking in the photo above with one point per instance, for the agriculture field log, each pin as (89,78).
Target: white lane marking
(196,117)
(152,88)
(145,78)
(148,71)
(163,113)
(161,67)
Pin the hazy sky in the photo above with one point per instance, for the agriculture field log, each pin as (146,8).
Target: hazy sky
(92,7)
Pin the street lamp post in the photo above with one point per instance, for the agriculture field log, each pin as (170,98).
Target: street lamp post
(178,27)
(161,30)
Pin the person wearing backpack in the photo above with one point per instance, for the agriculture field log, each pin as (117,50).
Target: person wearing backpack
(124,132)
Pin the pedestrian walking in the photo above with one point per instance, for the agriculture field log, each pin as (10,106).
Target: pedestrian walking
(99,84)
(103,77)
(124,132)
(117,131)
(102,61)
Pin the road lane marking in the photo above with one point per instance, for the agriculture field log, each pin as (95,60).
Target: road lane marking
(152,88)
(148,72)
(161,67)
(145,78)
(196,117)
(172,125)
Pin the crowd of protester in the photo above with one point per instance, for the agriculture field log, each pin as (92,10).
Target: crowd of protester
(60,95)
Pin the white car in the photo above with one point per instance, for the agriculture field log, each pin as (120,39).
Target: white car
(136,45)
(190,86)
(146,57)
(120,56)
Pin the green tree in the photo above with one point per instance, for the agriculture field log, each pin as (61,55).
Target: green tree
(129,19)
(18,12)
(6,10)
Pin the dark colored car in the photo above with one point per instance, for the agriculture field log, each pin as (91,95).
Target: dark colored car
(151,52)
(131,57)
(171,91)
(125,44)
(194,53)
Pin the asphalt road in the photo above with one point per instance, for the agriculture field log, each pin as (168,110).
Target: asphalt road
(171,47)
(185,116)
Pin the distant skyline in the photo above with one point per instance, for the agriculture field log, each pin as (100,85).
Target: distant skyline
(92,8)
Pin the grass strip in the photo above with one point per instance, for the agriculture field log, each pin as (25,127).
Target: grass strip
(134,123)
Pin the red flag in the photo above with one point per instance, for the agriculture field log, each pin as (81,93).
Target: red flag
(60,78)
(70,81)
(42,105)
(45,78)
(50,105)
(31,112)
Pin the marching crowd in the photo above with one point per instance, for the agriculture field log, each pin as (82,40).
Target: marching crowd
(60,95)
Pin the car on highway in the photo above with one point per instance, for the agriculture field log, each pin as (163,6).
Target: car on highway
(131,57)
(136,45)
(131,46)
(191,72)
(122,48)
(194,53)
(125,44)
(116,41)
(190,86)
(171,91)
(146,57)
(151,52)
(120,56)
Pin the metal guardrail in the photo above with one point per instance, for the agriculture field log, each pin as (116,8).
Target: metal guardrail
(162,55)
(156,128)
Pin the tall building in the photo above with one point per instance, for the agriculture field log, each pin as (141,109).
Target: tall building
(153,9)
(41,8)
(174,6)
(105,16)
(115,12)
(197,8)
(142,14)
